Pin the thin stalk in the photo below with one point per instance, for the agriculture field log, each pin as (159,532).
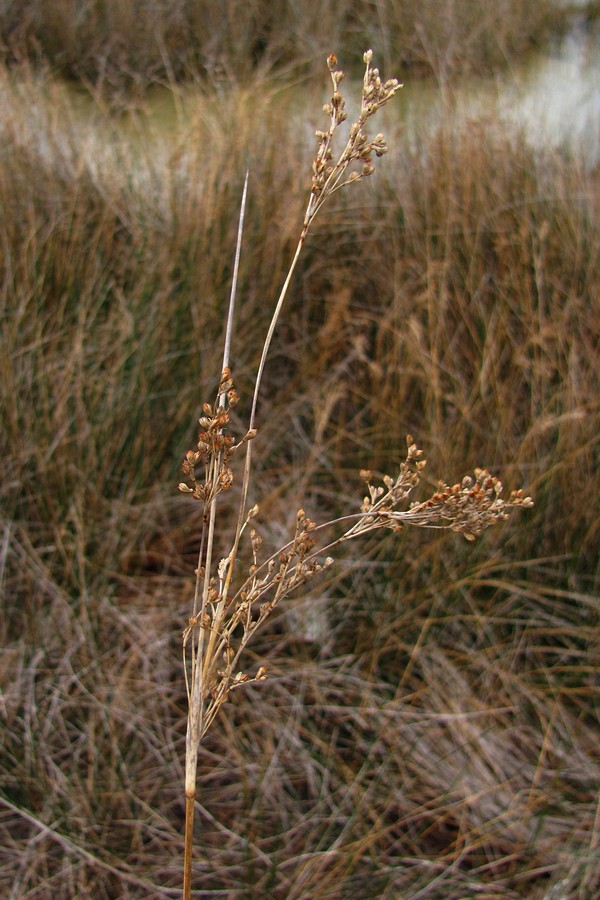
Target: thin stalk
(195,720)
(234,280)
(248,461)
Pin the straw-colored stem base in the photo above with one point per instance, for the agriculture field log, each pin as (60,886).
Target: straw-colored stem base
(190,802)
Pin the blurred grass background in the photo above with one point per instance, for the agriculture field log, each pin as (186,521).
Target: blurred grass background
(136,42)
(430,724)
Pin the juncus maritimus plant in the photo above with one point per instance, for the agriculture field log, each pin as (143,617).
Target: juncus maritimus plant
(232,601)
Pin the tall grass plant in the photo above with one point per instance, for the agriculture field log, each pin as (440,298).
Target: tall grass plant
(430,721)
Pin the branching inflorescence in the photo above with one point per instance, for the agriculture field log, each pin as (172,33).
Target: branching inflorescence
(229,608)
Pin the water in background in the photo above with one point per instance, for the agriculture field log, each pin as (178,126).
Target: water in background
(553,96)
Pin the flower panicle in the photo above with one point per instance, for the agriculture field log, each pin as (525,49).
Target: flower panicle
(215,446)
(468,507)
(329,176)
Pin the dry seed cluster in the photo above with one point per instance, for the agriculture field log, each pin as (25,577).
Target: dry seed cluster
(471,506)
(215,447)
(467,508)
(328,176)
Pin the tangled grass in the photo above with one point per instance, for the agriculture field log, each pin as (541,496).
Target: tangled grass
(429,726)
(122,46)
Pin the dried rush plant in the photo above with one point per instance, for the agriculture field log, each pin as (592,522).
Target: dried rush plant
(228,609)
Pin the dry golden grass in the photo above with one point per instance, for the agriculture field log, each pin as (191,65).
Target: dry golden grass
(122,45)
(431,729)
